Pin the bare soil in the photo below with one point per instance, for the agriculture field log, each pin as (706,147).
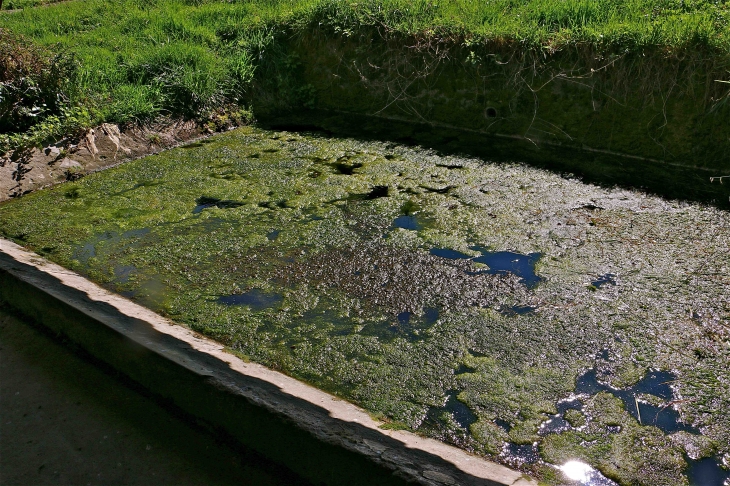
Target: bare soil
(99,148)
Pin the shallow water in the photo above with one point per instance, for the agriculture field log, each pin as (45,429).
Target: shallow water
(707,472)
(604,279)
(520,454)
(656,383)
(459,298)
(499,262)
(584,475)
(507,261)
(407,222)
(450,254)
(255,299)
(460,412)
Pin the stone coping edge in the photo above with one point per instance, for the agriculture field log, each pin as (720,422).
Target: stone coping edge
(322,438)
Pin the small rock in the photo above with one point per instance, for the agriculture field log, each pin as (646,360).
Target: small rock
(52,151)
(69,163)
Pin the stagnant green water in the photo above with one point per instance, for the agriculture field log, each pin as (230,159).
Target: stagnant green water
(508,310)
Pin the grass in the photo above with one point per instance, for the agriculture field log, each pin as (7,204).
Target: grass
(20,4)
(138,60)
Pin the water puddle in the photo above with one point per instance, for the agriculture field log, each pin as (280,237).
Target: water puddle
(84,252)
(558,423)
(450,254)
(499,262)
(459,411)
(520,454)
(707,472)
(407,222)
(256,299)
(503,424)
(506,261)
(655,383)
(608,278)
(430,316)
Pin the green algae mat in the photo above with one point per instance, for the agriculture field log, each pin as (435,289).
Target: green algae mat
(578,333)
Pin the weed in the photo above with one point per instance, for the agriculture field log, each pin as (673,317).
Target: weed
(73,174)
(154,139)
(33,82)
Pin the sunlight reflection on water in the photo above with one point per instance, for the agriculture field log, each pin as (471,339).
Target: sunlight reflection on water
(585,474)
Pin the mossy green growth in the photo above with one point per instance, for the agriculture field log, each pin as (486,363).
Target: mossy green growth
(575,418)
(293,251)
(613,433)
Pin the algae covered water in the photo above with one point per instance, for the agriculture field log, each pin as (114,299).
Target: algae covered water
(511,311)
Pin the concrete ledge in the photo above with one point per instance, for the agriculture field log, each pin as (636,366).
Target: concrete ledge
(320,437)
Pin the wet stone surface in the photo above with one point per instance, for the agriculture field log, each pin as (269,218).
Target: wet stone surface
(555,326)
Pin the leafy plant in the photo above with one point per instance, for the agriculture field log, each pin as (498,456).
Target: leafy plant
(33,82)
